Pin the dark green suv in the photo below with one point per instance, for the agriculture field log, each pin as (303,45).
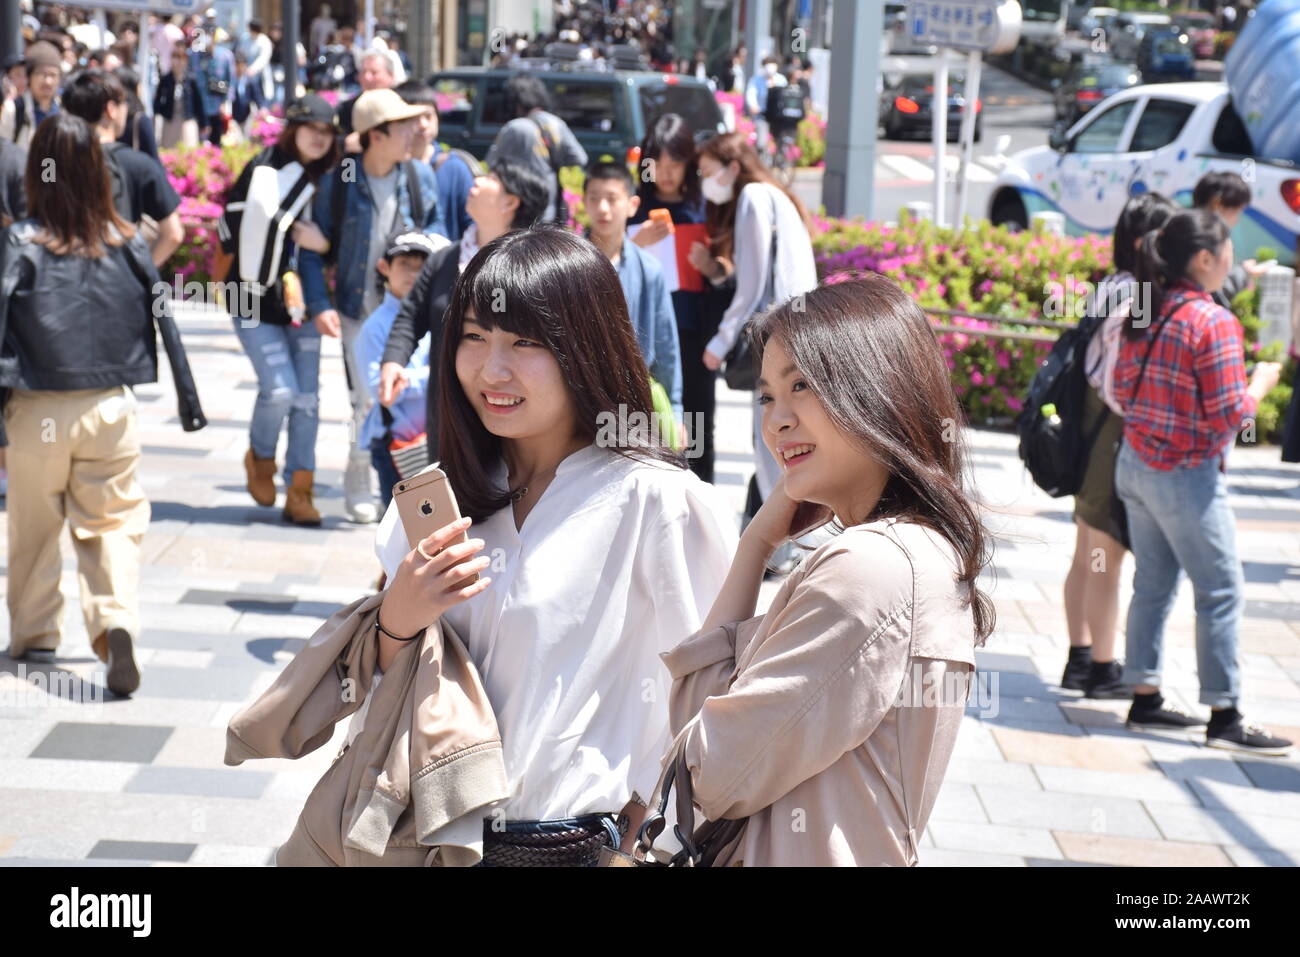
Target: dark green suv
(609,112)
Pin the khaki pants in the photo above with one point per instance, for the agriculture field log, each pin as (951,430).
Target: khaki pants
(72,457)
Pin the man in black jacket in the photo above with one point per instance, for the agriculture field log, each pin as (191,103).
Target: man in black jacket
(511,196)
(13,201)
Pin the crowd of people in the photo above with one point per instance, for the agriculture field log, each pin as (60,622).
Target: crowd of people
(481,336)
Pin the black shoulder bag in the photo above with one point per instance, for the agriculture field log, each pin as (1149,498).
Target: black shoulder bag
(739,369)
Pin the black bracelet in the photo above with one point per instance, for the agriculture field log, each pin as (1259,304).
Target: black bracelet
(380,628)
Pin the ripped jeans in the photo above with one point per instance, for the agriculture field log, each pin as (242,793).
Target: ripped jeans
(287,363)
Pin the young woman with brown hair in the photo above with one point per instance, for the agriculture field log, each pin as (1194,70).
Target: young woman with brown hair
(829,721)
(74,274)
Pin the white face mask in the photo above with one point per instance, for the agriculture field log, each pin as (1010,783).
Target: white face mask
(770,68)
(713,189)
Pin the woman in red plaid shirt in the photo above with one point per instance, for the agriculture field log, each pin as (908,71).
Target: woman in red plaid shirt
(1181,377)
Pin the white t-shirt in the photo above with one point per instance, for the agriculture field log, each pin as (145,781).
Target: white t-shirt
(618,561)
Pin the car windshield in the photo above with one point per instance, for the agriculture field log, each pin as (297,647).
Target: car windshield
(924,84)
(1108,76)
(1190,21)
(1171,45)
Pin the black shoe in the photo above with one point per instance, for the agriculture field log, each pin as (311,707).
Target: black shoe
(123,674)
(1077,668)
(1241,735)
(1104,682)
(1150,713)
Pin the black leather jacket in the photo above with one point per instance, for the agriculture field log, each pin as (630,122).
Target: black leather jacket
(71,322)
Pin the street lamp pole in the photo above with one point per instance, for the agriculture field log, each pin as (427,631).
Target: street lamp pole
(849,181)
(290,16)
(11,37)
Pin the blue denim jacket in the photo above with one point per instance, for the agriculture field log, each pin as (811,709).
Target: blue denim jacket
(650,307)
(354,238)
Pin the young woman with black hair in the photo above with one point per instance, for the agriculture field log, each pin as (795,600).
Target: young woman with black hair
(670,179)
(828,722)
(266,218)
(599,548)
(1092,585)
(1181,378)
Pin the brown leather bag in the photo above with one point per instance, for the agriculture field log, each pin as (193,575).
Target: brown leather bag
(700,848)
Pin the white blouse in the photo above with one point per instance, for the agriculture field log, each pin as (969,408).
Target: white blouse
(618,561)
(762,210)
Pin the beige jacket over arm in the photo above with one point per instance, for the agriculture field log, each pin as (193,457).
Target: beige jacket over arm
(830,720)
(412,786)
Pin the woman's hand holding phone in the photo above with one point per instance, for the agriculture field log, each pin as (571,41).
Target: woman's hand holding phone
(423,589)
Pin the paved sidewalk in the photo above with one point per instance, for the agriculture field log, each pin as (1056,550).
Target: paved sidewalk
(230,592)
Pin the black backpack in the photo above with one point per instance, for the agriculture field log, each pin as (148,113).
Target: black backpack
(561,204)
(1053,445)
(785,104)
(117,180)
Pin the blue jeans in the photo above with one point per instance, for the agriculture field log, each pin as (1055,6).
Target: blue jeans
(382,460)
(287,363)
(1179,520)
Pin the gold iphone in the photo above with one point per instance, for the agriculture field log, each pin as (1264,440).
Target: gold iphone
(425,503)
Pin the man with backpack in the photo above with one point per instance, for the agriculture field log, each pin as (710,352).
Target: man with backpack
(454,169)
(362,201)
(538,139)
(138,181)
(784,110)
(20,116)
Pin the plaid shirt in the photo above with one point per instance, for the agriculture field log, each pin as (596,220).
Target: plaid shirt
(1193,395)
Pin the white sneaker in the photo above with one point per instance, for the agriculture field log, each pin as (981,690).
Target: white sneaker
(358,496)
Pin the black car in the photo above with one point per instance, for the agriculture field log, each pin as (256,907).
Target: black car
(1087,85)
(905,107)
(609,112)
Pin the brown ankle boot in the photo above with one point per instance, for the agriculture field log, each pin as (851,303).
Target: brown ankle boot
(297,501)
(261,478)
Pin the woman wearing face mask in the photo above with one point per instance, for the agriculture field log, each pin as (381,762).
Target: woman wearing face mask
(763,228)
(671,181)
(839,708)
(1181,378)
(601,547)
(264,223)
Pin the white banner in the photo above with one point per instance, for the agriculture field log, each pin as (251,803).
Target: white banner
(166,7)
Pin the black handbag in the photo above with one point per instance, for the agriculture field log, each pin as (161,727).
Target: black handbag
(739,368)
(218,86)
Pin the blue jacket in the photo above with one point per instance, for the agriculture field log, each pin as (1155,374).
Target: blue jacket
(454,182)
(354,238)
(651,309)
(219,66)
(368,351)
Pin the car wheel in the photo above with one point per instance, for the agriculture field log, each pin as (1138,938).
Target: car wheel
(1009,211)
(892,131)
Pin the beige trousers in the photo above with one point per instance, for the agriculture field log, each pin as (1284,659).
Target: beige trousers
(72,458)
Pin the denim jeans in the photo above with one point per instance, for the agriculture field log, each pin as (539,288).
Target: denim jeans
(287,363)
(1179,520)
(382,460)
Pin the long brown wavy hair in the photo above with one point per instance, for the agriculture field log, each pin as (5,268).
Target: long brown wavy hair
(721,220)
(868,353)
(68,190)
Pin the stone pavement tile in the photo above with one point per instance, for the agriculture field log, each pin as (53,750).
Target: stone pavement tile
(1190,762)
(143,850)
(217,683)
(1258,857)
(1095,714)
(1134,852)
(996,661)
(232,855)
(279,626)
(985,771)
(1215,826)
(199,782)
(976,742)
(1006,707)
(1247,801)
(1271,774)
(180,658)
(103,742)
(941,857)
(53,846)
(958,802)
(994,839)
(206,748)
(1268,641)
(66,774)
(18,738)
(1072,750)
(1023,685)
(146,817)
(1140,786)
(1088,813)
(144,708)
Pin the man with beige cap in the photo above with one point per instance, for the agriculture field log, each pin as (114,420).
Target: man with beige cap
(365,199)
(20,116)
